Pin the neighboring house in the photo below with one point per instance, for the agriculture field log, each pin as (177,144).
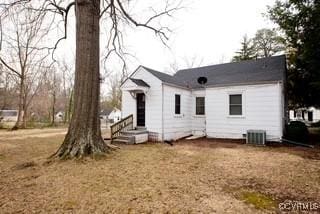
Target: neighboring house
(59,116)
(231,99)
(115,115)
(105,113)
(311,114)
(8,115)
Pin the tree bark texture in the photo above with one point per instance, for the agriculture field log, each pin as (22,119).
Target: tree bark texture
(84,134)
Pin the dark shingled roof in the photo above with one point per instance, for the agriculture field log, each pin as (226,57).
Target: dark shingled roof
(165,77)
(270,69)
(105,111)
(140,82)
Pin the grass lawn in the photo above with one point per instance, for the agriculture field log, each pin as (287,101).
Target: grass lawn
(205,176)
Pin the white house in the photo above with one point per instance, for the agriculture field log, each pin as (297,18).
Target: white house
(115,115)
(311,114)
(8,115)
(59,116)
(218,101)
(105,113)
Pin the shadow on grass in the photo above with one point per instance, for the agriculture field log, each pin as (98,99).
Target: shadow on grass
(212,143)
(304,152)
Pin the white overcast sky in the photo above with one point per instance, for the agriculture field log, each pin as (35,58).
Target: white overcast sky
(210,30)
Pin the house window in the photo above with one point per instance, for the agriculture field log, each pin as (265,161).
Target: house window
(177,104)
(235,104)
(200,103)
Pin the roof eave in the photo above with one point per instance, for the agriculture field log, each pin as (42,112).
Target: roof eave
(175,85)
(241,84)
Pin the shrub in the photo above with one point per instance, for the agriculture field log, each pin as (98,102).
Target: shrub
(297,131)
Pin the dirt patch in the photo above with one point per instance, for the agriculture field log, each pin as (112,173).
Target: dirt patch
(211,143)
(189,177)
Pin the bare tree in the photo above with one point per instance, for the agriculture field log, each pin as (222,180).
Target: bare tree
(267,42)
(4,85)
(8,92)
(187,62)
(113,98)
(21,56)
(67,86)
(49,98)
(192,62)
(53,82)
(84,135)
(2,76)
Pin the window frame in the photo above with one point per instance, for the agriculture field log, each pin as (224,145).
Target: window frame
(177,104)
(204,106)
(242,104)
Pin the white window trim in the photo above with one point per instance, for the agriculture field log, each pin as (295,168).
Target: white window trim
(243,96)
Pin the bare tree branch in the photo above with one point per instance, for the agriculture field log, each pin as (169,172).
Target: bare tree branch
(9,67)
(64,13)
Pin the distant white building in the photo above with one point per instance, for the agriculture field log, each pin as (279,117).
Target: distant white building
(115,115)
(311,114)
(59,116)
(105,113)
(8,115)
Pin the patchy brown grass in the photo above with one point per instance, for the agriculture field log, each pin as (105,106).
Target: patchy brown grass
(189,177)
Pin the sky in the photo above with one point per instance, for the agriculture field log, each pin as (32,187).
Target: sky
(209,31)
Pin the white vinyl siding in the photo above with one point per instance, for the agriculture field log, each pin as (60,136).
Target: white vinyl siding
(198,121)
(128,106)
(261,106)
(153,107)
(176,126)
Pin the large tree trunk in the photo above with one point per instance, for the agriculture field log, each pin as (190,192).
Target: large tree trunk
(84,134)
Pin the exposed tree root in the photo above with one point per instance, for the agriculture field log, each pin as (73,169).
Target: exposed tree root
(82,146)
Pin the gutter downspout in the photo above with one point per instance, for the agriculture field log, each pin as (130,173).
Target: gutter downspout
(162,119)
